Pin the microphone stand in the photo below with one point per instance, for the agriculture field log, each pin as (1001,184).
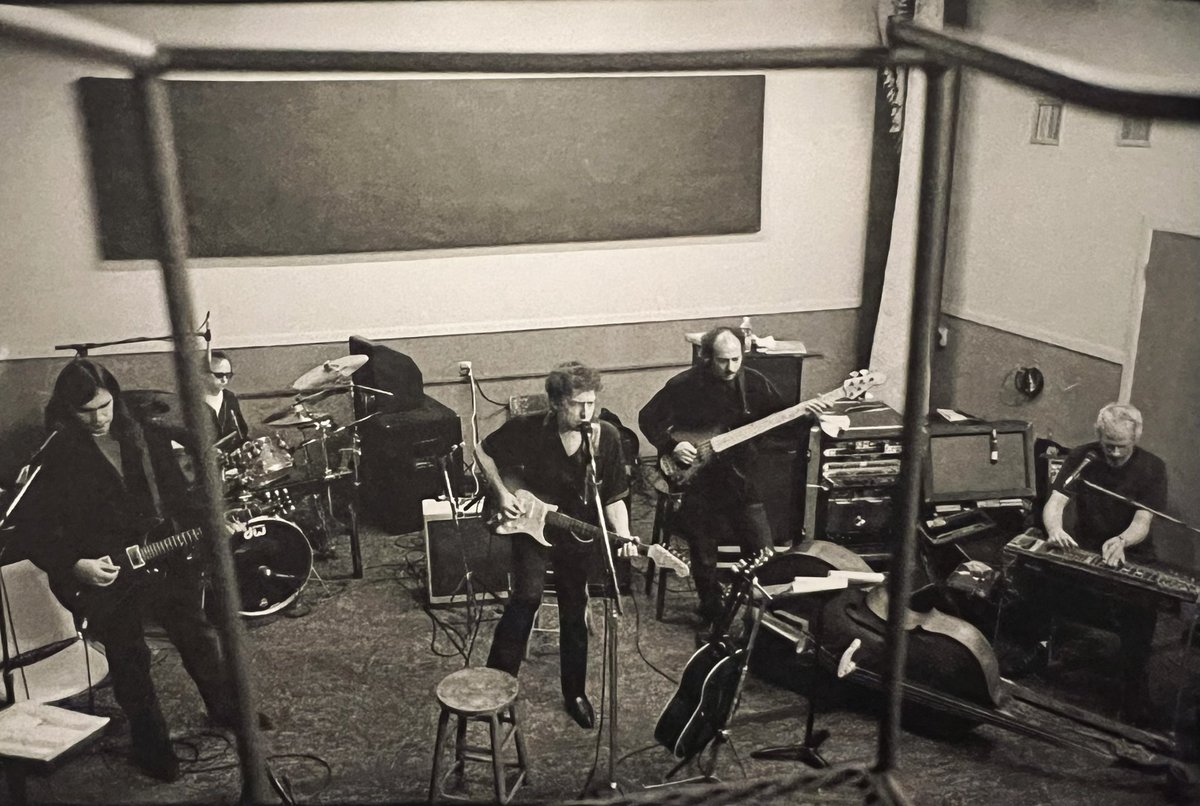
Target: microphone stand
(1139,505)
(81,348)
(612,611)
(7,662)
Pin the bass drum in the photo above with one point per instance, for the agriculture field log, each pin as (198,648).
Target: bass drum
(272,560)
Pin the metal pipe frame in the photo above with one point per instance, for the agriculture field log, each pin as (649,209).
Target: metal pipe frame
(933,214)
(171,230)
(940,53)
(965,49)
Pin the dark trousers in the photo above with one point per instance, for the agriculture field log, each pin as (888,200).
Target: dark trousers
(1132,622)
(116,620)
(569,559)
(707,520)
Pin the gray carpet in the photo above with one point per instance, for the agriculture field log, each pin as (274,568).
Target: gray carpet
(348,678)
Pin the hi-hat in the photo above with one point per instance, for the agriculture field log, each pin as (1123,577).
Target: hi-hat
(335,371)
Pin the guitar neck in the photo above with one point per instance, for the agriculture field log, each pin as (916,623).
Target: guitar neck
(739,435)
(581,528)
(152,551)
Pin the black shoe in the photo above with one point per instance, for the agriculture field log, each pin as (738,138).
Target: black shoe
(159,763)
(581,711)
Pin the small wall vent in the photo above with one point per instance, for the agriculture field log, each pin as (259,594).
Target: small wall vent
(1047,122)
(1134,132)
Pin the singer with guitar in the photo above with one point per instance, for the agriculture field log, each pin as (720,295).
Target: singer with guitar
(551,453)
(721,503)
(103,476)
(1111,527)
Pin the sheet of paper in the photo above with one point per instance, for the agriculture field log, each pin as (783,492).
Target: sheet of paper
(814,584)
(43,732)
(865,577)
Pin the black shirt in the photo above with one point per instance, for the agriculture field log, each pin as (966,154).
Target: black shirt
(530,455)
(1099,517)
(81,507)
(696,400)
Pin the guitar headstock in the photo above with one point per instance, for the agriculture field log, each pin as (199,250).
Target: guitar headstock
(746,567)
(663,557)
(862,381)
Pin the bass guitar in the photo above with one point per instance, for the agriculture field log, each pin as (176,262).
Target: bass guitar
(710,443)
(536,514)
(708,689)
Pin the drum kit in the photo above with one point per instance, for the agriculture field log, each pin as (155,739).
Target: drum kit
(272,487)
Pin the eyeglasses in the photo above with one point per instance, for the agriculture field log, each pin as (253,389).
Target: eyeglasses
(222,375)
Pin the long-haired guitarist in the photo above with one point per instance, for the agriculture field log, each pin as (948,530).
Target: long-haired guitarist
(721,503)
(547,453)
(103,477)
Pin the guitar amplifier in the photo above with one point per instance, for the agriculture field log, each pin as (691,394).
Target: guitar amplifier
(452,551)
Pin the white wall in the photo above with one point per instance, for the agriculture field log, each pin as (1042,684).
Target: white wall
(808,255)
(1045,241)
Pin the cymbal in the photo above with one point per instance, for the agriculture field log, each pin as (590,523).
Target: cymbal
(296,419)
(331,372)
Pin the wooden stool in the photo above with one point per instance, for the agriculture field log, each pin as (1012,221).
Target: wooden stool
(664,512)
(478,695)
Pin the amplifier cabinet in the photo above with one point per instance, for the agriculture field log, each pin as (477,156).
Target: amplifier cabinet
(400,462)
(851,479)
(452,550)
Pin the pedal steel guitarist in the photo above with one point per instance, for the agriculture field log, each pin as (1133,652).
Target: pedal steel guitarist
(723,502)
(1114,528)
(547,453)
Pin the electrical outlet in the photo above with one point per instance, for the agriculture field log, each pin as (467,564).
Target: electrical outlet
(464,369)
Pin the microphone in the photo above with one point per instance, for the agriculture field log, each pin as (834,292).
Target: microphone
(1087,460)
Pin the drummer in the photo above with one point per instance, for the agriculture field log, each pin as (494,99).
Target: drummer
(228,421)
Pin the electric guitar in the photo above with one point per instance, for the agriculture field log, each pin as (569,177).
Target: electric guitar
(710,683)
(712,441)
(537,514)
(140,556)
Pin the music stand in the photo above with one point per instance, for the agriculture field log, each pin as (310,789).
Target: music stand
(808,750)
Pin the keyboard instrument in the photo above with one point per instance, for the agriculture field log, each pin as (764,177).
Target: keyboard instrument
(1076,564)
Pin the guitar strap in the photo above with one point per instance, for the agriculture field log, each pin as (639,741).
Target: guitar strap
(139,442)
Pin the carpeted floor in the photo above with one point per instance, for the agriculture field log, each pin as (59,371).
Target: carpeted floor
(348,678)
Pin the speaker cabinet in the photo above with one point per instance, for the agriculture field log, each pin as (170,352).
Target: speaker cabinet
(451,551)
(400,463)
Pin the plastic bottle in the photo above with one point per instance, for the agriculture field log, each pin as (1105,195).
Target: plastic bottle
(747,333)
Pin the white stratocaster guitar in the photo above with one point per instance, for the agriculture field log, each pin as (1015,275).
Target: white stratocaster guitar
(537,514)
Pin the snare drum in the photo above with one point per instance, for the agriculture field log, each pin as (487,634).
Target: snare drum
(263,460)
(272,560)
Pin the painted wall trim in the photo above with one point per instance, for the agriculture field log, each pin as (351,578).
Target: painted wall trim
(482,327)
(1137,294)
(1115,355)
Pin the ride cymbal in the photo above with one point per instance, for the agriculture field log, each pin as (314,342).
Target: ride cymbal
(334,371)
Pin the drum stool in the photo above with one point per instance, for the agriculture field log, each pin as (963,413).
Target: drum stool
(479,694)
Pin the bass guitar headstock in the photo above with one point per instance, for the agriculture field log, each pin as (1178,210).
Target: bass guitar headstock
(862,381)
